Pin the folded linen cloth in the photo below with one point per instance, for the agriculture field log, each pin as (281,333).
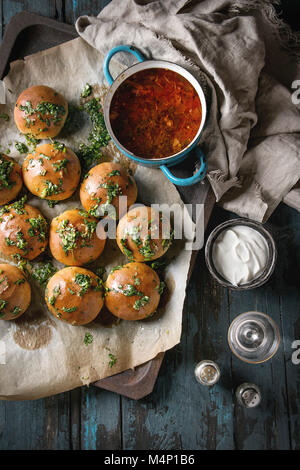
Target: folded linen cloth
(234,48)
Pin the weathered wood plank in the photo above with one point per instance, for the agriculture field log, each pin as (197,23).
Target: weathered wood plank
(60,10)
(12,7)
(100,420)
(38,424)
(288,286)
(265,427)
(75,419)
(76,8)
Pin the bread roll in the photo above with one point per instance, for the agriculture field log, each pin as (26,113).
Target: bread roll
(132,291)
(10,179)
(74,238)
(15,292)
(51,173)
(143,234)
(74,295)
(23,231)
(41,112)
(103,185)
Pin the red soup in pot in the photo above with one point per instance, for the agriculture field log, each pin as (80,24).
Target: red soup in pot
(155,113)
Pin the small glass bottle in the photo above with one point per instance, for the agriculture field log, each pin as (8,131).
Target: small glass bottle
(207,373)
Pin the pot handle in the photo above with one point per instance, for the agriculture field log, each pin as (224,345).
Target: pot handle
(115,50)
(192,179)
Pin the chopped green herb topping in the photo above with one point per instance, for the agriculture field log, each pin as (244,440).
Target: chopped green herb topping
(94,211)
(31,141)
(113,190)
(4,116)
(134,233)
(18,282)
(42,272)
(45,111)
(46,157)
(68,235)
(16,310)
(129,290)
(22,263)
(126,250)
(6,167)
(38,228)
(90,153)
(59,146)
(56,293)
(146,249)
(19,206)
(112,361)
(161,287)
(166,242)
(141,302)
(3,304)
(22,148)
(51,204)
(61,165)
(114,173)
(69,309)
(88,339)
(51,189)
(27,108)
(4,210)
(20,242)
(116,268)
(84,281)
(53,112)
(87,90)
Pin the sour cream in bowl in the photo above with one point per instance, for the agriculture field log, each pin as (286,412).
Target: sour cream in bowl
(240,254)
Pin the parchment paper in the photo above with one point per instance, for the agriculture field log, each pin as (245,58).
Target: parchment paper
(43,355)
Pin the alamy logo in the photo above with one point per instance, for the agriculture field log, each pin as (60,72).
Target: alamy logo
(296,354)
(176,215)
(296,94)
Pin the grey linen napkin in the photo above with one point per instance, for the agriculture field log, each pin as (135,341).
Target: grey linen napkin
(252,135)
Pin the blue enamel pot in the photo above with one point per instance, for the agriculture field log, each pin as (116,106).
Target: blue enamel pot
(162,163)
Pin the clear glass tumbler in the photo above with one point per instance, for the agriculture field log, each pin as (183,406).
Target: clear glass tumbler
(253,337)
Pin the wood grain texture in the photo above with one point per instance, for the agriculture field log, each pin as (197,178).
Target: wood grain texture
(42,7)
(181,414)
(102,425)
(75,8)
(38,424)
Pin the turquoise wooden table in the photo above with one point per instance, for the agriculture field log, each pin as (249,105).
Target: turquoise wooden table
(180,413)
